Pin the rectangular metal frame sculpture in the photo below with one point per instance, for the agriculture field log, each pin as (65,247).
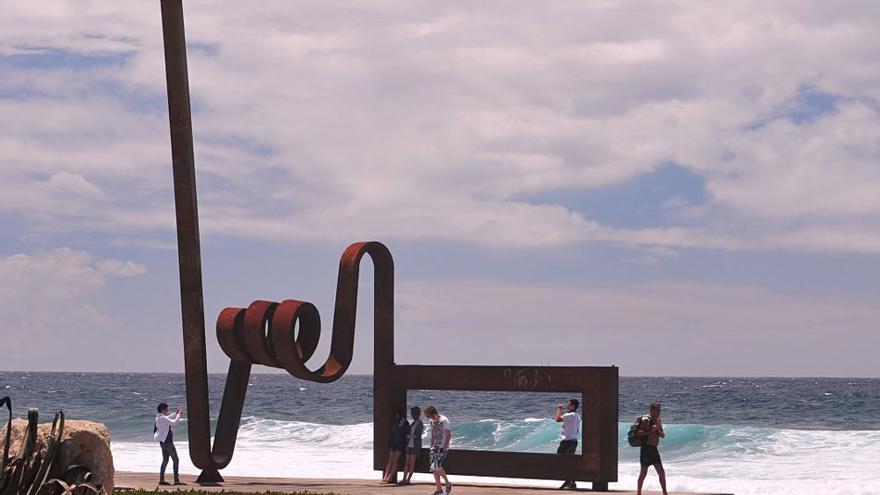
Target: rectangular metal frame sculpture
(598,386)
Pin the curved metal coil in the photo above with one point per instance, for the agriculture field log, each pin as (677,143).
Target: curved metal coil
(266,332)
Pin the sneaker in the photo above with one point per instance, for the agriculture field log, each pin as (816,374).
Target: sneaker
(178,483)
(448,488)
(403,482)
(163,482)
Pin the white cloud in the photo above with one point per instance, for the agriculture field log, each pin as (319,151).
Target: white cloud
(120,268)
(662,328)
(431,121)
(821,170)
(51,320)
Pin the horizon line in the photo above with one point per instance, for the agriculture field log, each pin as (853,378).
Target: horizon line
(840,377)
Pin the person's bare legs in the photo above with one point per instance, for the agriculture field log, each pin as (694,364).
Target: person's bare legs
(395,461)
(387,469)
(661,473)
(391,467)
(409,466)
(442,474)
(642,474)
(437,481)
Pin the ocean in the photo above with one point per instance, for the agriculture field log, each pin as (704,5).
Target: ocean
(742,435)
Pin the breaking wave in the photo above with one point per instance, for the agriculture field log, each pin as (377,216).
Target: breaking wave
(740,459)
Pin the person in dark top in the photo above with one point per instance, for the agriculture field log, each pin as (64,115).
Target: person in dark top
(399,433)
(649,455)
(413,445)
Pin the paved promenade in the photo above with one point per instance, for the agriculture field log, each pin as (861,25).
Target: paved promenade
(340,486)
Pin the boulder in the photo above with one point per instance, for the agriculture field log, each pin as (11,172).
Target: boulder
(84,443)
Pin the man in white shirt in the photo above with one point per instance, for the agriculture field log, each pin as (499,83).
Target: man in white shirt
(162,434)
(441,436)
(571,425)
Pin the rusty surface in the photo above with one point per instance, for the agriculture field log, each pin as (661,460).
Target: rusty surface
(597,385)
(241,331)
(264,333)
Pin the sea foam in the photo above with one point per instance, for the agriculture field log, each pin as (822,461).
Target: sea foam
(719,458)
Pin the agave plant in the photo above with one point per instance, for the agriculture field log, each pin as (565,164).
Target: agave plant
(27,473)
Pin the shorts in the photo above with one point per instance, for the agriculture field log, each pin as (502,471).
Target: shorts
(567,447)
(397,448)
(438,459)
(413,451)
(649,456)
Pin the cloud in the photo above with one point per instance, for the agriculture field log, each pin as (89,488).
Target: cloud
(119,268)
(52,317)
(74,183)
(417,120)
(825,169)
(659,328)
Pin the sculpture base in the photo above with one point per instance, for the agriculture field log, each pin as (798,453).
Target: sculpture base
(209,477)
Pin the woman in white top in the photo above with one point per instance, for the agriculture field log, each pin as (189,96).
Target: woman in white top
(162,434)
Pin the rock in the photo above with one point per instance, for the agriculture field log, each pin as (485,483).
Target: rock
(85,443)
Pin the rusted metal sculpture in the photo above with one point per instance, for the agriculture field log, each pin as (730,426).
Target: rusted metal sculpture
(598,387)
(264,334)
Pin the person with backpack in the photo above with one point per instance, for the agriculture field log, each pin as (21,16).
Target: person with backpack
(162,434)
(650,430)
(571,425)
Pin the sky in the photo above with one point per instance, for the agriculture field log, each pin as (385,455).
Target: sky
(675,188)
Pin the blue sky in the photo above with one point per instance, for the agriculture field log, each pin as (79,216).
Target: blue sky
(678,190)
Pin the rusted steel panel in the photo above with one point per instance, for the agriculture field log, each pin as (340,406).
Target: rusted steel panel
(598,387)
(607,417)
(513,465)
(499,378)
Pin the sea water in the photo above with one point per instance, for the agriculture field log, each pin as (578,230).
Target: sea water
(741,435)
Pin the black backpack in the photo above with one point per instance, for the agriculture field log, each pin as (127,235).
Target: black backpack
(632,437)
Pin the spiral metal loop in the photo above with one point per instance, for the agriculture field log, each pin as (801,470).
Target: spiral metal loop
(266,332)
(285,335)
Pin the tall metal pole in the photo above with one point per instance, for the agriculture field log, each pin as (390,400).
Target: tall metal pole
(186,208)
